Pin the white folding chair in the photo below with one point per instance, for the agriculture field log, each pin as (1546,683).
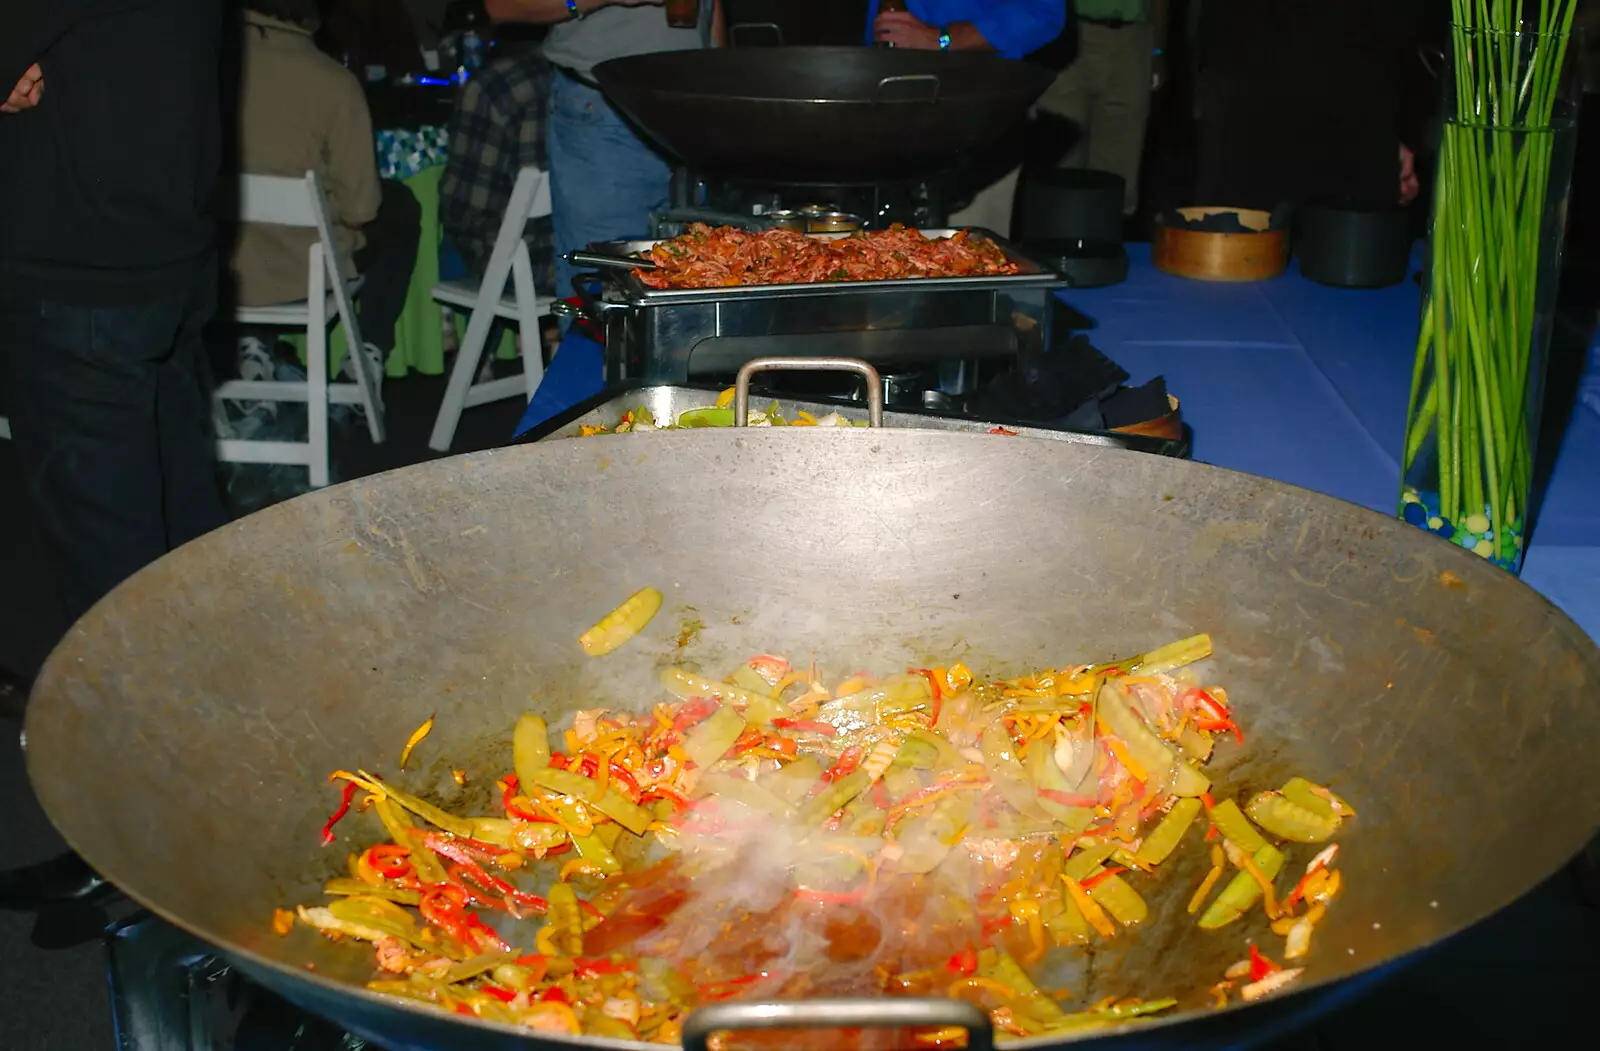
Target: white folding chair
(530,198)
(300,202)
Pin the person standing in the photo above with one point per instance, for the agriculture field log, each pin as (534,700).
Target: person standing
(110,146)
(1105,92)
(1011,28)
(109,159)
(604,179)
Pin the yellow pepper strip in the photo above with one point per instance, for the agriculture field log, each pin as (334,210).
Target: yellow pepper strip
(1027,912)
(1268,895)
(725,399)
(1206,886)
(415,739)
(460,777)
(1125,757)
(975,984)
(573,828)
(544,941)
(1090,908)
(622,623)
(958,678)
(580,867)
(282,921)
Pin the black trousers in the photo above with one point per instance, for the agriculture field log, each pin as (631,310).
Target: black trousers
(386,262)
(110,411)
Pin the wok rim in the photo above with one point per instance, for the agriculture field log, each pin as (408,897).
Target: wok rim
(1460,561)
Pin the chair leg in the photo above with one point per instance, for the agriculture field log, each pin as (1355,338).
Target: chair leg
(317,388)
(461,377)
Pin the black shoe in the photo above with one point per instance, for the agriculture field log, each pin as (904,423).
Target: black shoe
(63,879)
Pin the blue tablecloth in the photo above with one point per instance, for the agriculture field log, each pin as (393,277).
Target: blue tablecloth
(1287,379)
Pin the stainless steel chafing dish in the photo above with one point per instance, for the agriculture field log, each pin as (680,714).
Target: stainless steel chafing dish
(666,402)
(670,335)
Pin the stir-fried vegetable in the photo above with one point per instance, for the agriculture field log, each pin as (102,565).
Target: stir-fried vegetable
(927,833)
(622,623)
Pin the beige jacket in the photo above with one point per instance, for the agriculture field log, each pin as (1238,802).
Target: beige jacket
(300,110)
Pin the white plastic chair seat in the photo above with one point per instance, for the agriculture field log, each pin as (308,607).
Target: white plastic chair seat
(463,293)
(296,313)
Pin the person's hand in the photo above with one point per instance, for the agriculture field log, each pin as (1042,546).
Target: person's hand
(1410,185)
(1158,72)
(904,29)
(27,93)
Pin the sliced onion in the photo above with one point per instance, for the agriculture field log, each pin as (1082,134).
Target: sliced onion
(1271,983)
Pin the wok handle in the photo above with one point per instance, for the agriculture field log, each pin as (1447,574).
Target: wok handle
(610,262)
(890,1012)
(928,82)
(741,382)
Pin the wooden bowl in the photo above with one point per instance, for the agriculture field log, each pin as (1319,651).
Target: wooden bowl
(1169,426)
(1205,256)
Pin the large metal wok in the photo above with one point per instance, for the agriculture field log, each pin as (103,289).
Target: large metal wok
(182,734)
(822,114)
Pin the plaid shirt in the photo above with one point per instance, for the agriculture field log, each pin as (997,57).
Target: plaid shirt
(496,129)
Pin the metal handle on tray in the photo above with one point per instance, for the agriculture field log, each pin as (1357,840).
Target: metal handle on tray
(885,1013)
(741,382)
(921,79)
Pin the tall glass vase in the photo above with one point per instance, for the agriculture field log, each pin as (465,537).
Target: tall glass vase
(1499,218)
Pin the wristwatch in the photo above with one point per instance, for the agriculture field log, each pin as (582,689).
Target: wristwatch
(944,40)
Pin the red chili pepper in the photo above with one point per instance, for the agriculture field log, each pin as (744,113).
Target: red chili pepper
(692,711)
(508,795)
(724,989)
(499,992)
(1100,877)
(594,967)
(1067,798)
(555,995)
(591,908)
(588,764)
(963,963)
(995,926)
(811,726)
(1260,966)
(1212,833)
(879,795)
(935,689)
(624,777)
(463,1009)
(679,802)
(751,738)
(442,907)
(849,759)
(344,808)
(1207,801)
(389,860)
(1003,430)
(534,960)
(558,760)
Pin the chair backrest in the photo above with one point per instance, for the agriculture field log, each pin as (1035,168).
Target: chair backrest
(281,200)
(530,198)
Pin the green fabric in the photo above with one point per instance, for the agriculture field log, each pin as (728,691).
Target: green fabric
(1113,10)
(418,335)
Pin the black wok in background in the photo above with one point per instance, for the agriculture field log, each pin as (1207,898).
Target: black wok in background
(844,115)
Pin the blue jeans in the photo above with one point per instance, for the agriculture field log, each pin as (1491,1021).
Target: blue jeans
(110,410)
(604,180)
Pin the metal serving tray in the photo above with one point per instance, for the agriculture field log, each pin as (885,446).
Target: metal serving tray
(672,335)
(634,292)
(668,401)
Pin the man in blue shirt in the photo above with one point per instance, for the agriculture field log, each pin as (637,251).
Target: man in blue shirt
(1012,28)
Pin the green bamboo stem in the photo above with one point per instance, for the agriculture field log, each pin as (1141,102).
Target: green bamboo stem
(1475,353)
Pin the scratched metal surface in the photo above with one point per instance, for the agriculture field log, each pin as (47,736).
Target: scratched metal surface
(182,734)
